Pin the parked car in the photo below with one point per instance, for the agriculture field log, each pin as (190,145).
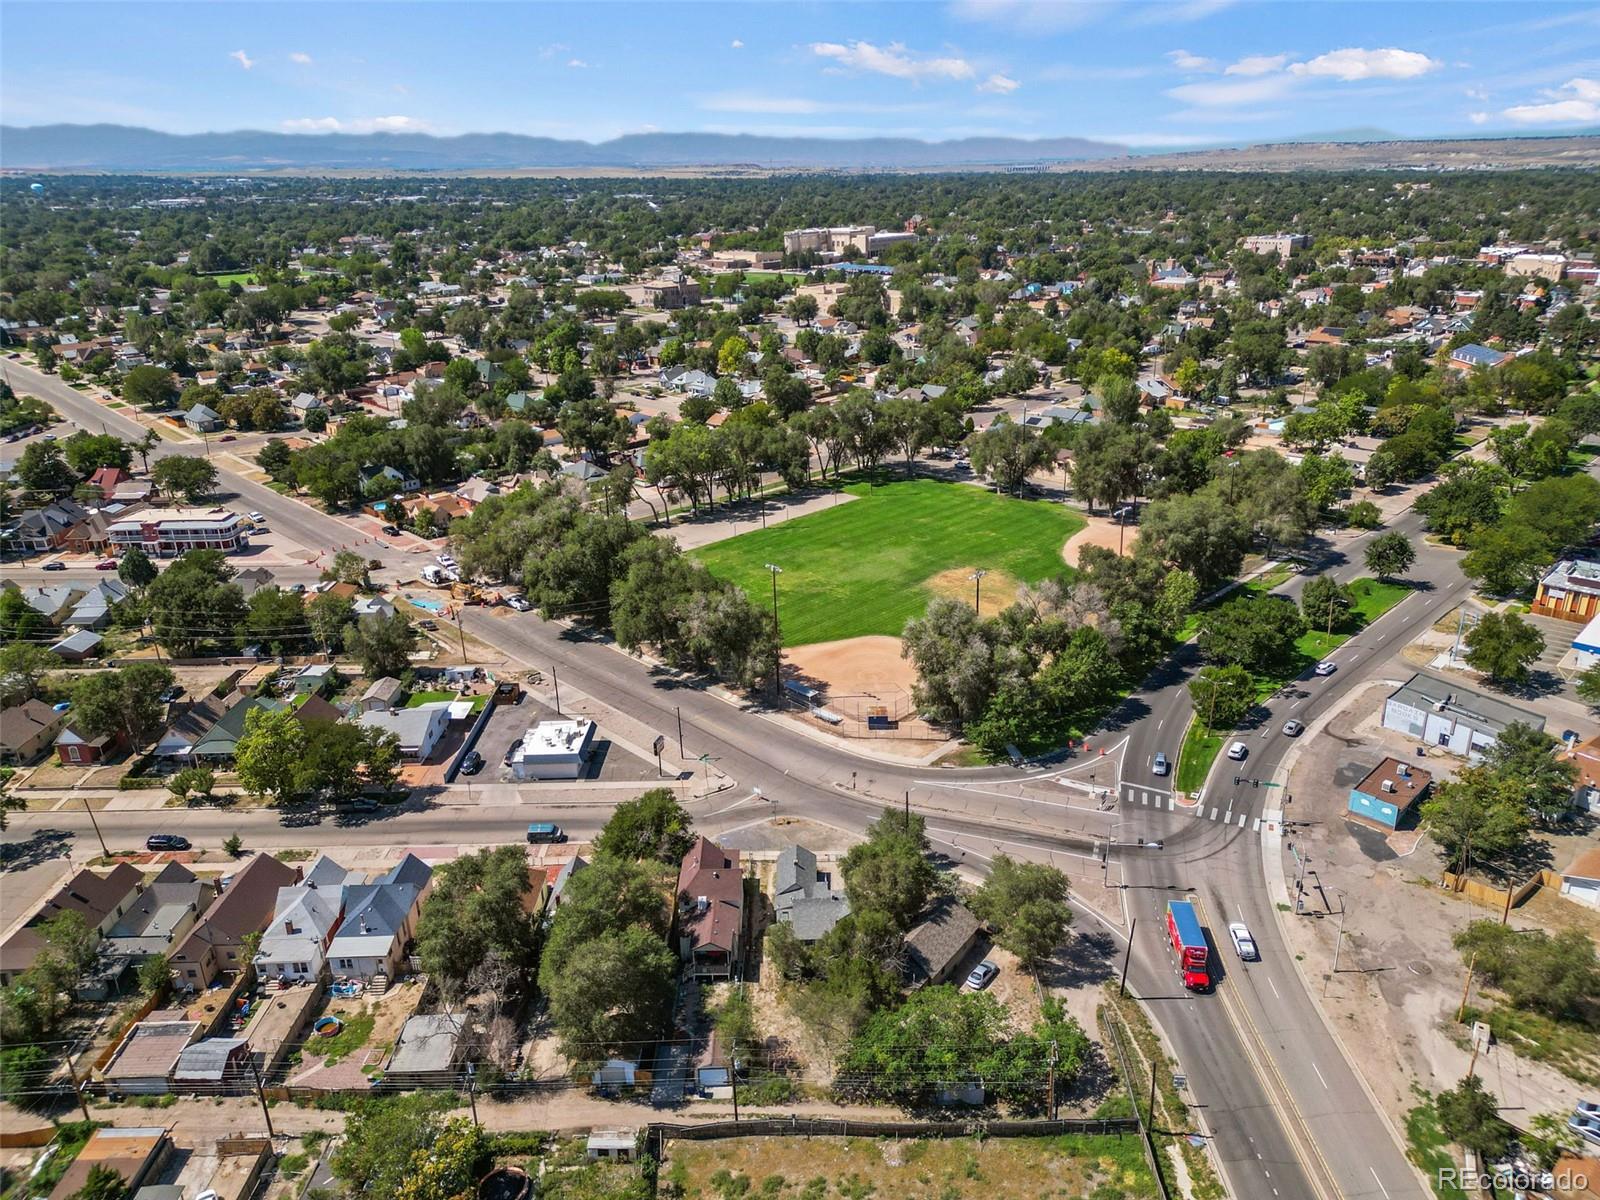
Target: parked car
(1588,1128)
(1587,1108)
(392,530)
(228,437)
(1238,751)
(57,565)
(542,832)
(1327,668)
(429,625)
(982,975)
(171,694)
(472,763)
(519,603)
(257,518)
(106,564)
(166,841)
(1161,765)
(1293,728)
(1243,944)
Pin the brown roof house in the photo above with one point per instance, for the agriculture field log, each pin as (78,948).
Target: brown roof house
(27,731)
(143,1063)
(101,900)
(216,943)
(710,910)
(134,1152)
(938,942)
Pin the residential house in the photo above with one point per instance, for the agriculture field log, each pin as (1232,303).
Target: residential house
(78,647)
(213,1066)
(1388,792)
(99,899)
(1586,792)
(418,729)
(1438,712)
(315,678)
(92,535)
(371,606)
(252,581)
(558,885)
(1569,590)
(379,921)
(27,731)
(710,910)
(1580,882)
(803,897)
(189,724)
(1472,356)
(76,748)
(203,420)
(108,479)
(294,946)
(46,528)
(221,742)
(163,914)
(215,945)
(937,943)
(395,481)
(476,490)
(144,1061)
(305,403)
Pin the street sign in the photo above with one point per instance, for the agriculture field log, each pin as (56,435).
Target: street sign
(1269,784)
(660,745)
(1180,1081)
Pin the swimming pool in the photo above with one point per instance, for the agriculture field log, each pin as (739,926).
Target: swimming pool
(433,606)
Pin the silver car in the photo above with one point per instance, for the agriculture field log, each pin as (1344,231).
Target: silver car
(982,975)
(1243,944)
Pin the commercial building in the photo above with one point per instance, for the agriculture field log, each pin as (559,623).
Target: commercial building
(173,531)
(1441,713)
(1388,792)
(1281,244)
(553,750)
(838,239)
(1569,590)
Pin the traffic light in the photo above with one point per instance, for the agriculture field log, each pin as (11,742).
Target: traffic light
(1235,781)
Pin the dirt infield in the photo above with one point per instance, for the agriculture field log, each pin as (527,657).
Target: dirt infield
(1100,531)
(998,593)
(854,665)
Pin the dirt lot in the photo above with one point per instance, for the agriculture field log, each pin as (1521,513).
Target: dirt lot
(854,1168)
(863,673)
(1100,531)
(1400,981)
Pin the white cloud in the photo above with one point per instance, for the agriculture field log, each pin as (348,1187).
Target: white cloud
(1355,64)
(736,44)
(1232,94)
(1185,61)
(577,64)
(1478,118)
(1257,64)
(893,60)
(1002,84)
(1474,93)
(300,57)
(243,59)
(393,124)
(1576,100)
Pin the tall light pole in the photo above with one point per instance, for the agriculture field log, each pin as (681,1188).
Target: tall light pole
(1338,944)
(977,591)
(777,635)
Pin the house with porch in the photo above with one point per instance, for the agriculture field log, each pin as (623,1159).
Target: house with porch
(710,911)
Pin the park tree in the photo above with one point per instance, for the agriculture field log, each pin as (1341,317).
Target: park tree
(1006,454)
(150,387)
(1325,602)
(1389,555)
(270,754)
(1025,906)
(382,644)
(953,651)
(653,826)
(1202,534)
(135,568)
(347,567)
(23,666)
(1507,558)
(193,479)
(1479,816)
(1555,974)
(326,616)
(1257,633)
(193,602)
(1469,1116)
(890,872)
(1563,509)
(125,702)
(1503,646)
(1363,514)
(1467,500)
(1531,758)
(1222,696)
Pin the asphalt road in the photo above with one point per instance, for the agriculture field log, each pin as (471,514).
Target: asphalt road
(1286,1113)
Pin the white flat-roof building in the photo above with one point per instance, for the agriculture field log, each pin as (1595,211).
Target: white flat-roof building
(553,750)
(172,531)
(418,729)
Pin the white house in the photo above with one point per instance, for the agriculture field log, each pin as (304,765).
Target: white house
(294,946)
(419,729)
(379,920)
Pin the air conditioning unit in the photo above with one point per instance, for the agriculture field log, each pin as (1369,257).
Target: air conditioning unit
(1402,770)
(1388,785)
(702,903)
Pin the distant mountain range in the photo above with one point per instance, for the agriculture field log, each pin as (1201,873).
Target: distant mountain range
(128,148)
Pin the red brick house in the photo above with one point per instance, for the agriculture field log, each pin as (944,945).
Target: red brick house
(710,910)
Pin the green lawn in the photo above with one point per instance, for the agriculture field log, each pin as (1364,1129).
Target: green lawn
(420,698)
(242,278)
(860,568)
(1200,750)
(1373,599)
(1429,1148)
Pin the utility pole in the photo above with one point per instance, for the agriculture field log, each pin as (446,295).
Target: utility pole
(678,708)
(1122,984)
(96,825)
(977,591)
(777,636)
(460,634)
(733,1078)
(77,1094)
(472,1092)
(1152,1094)
(1052,1098)
(1338,944)
(557,684)
(1466,988)
(908,812)
(261,1095)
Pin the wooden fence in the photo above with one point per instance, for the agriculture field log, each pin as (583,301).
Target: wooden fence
(1499,899)
(658,1134)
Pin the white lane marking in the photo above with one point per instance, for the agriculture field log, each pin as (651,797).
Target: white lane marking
(1213,814)
(1172,803)
(1379,1182)
(1318,1070)
(1256,826)
(1242,818)
(1273,986)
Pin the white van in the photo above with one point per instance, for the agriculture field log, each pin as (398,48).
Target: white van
(432,574)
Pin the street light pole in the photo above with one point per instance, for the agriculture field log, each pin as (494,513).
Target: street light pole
(977,591)
(1338,944)
(777,636)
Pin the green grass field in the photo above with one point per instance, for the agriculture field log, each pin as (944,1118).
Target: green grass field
(242,278)
(861,568)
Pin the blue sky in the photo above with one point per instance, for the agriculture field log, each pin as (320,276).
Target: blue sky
(1156,74)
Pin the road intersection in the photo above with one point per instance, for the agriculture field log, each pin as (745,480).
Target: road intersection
(1287,1114)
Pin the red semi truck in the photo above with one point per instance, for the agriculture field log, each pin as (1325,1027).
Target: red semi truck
(1189,944)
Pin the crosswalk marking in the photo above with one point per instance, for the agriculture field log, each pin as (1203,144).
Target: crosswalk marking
(1256,827)
(1172,803)
(1213,814)
(1241,820)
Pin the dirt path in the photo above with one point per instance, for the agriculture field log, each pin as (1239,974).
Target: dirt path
(1100,531)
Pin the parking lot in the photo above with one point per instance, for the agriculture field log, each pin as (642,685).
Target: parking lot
(609,763)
